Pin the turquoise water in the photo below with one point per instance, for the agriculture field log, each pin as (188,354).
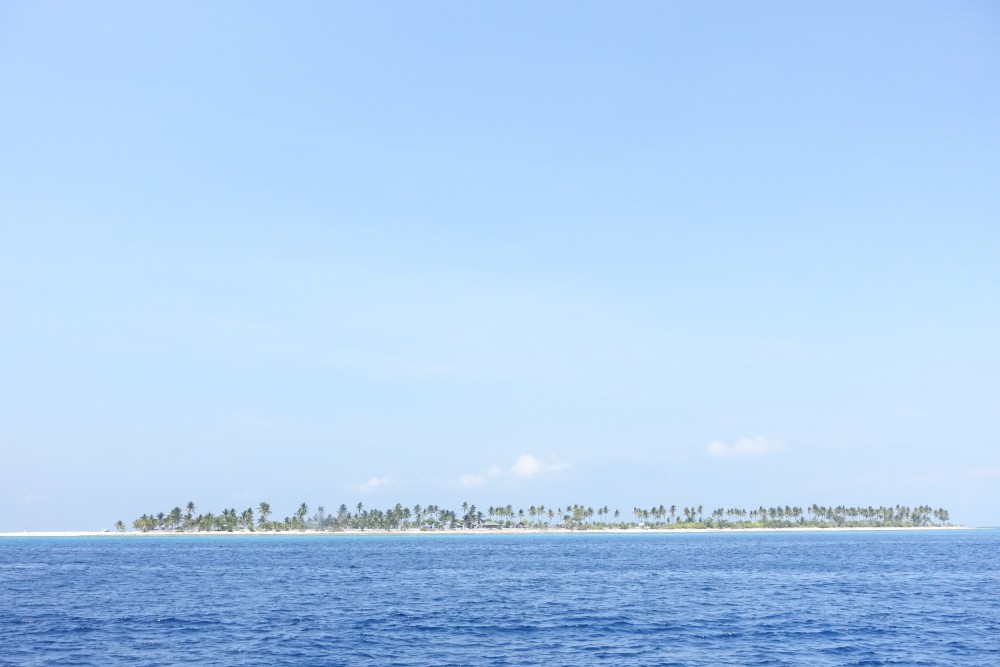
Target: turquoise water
(926,598)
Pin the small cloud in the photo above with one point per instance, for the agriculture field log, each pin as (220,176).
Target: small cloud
(744,447)
(471,481)
(374,484)
(527,466)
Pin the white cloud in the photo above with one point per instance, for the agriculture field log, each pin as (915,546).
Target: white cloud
(470,481)
(744,447)
(527,466)
(374,484)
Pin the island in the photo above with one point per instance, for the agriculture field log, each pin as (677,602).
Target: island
(576,517)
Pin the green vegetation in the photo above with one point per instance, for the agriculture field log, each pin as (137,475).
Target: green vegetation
(539,517)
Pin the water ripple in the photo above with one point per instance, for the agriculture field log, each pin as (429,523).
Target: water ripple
(743,599)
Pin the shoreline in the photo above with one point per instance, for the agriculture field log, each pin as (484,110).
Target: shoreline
(506,532)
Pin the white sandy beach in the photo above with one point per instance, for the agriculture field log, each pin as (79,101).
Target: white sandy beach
(480,531)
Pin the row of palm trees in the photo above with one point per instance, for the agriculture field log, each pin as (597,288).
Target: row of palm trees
(814,515)
(575,516)
(228,520)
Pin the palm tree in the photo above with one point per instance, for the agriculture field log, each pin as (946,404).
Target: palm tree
(263,511)
(120,526)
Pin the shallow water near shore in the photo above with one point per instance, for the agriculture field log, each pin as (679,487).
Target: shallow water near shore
(688,599)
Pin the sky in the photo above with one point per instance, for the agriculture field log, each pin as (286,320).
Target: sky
(621,254)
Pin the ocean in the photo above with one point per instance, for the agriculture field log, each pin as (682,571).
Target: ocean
(742,598)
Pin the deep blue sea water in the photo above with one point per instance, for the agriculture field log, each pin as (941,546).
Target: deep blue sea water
(823,598)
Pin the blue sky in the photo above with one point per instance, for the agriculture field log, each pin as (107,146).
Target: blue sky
(511,253)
